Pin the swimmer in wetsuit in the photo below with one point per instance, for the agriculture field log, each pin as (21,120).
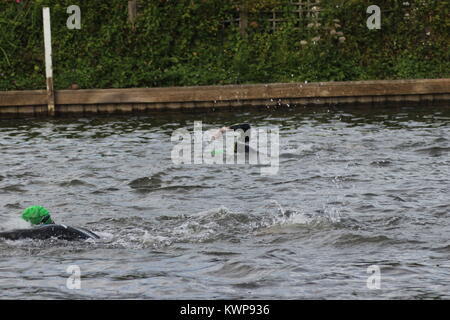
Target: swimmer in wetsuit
(46,228)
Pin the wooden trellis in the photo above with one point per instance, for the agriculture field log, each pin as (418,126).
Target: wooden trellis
(306,11)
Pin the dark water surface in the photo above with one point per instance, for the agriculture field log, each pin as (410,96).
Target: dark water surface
(355,188)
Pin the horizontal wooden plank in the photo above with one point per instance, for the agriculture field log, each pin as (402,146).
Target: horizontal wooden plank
(217,94)
(250,92)
(23,98)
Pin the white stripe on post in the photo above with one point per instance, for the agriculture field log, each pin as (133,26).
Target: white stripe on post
(48,60)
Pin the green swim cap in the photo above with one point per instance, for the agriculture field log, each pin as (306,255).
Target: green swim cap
(37,215)
(218,151)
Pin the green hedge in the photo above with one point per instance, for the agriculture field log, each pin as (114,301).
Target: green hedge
(195,42)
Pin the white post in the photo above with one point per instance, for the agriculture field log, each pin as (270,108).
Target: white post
(48,61)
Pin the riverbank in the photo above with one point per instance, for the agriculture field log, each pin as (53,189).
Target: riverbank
(15,104)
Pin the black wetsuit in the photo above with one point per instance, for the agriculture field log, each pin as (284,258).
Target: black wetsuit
(57,231)
(244,127)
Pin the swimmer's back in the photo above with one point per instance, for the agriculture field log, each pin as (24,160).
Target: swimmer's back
(44,232)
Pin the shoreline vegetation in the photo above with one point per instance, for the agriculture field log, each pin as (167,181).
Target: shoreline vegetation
(195,42)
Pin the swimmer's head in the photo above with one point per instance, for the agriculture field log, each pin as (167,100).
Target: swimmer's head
(244,127)
(37,215)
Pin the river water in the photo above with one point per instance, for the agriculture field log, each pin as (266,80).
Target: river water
(357,191)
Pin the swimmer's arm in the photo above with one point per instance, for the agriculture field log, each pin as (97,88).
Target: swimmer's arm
(220,132)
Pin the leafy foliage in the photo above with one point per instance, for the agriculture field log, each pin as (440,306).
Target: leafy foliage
(198,42)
